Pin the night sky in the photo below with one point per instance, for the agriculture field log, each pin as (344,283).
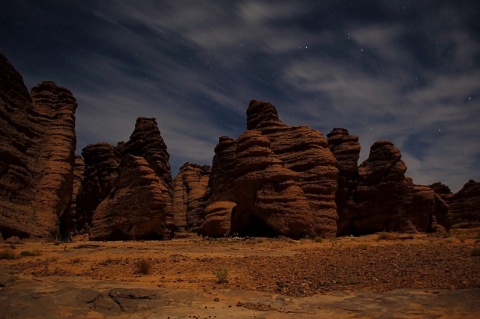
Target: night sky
(405,71)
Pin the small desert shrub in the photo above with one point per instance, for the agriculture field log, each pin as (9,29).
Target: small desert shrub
(475,252)
(7,254)
(254,241)
(76,260)
(362,246)
(385,236)
(27,253)
(143,267)
(51,259)
(222,275)
(108,260)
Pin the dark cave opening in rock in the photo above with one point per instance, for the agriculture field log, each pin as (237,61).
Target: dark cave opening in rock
(253,226)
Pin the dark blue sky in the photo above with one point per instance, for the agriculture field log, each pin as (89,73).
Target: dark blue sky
(406,71)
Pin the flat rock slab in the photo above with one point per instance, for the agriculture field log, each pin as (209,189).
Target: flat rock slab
(48,298)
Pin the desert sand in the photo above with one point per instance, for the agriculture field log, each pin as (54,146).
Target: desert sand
(376,276)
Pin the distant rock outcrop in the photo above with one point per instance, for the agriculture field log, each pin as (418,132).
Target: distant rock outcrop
(36,155)
(465,206)
(135,208)
(428,211)
(189,190)
(442,190)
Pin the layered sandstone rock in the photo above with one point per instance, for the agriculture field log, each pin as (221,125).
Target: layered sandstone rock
(18,136)
(269,199)
(102,161)
(442,190)
(146,141)
(346,149)
(284,178)
(383,195)
(190,186)
(305,151)
(217,222)
(219,196)
(428,211)
(36,155)
(136,197)
(135,208)
(465,206)
(54,109)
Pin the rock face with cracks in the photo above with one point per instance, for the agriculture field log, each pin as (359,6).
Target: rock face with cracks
(102,161)
(346,149)
(190,186)
(36,154)
(68,221)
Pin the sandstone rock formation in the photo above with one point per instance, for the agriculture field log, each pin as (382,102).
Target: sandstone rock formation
(189,190)
(101,171)
(346,149)
(218,219)
(134,200)
(146,141)
(135,208)
(465,206)
(382,196)
(219,197)
(269,199)
(36,154)
(427,210)
(284,178)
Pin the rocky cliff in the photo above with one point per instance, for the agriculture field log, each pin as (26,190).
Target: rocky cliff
(36,155)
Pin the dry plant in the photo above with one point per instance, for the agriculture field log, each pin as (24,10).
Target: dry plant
(143,267)
(222,275)
(475,252)
(7,254)
(27,253)
(386,236)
